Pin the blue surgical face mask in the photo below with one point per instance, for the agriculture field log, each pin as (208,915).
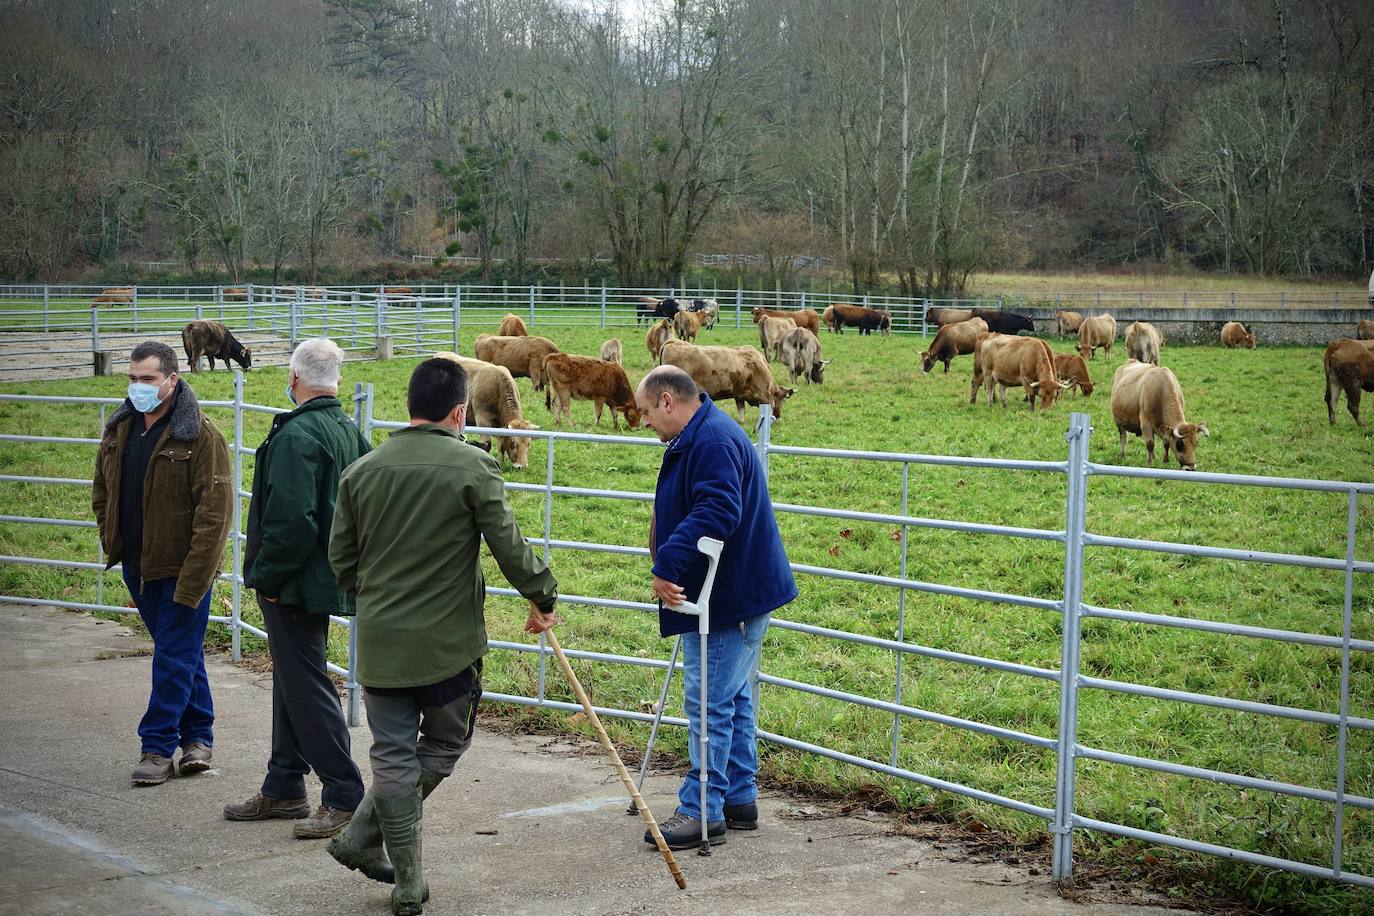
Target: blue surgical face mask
(144,396)
(290,395)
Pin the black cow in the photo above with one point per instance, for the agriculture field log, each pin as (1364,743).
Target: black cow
(653,309)
(1000,322)
(213,340)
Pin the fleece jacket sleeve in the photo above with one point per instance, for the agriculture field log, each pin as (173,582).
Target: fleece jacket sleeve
(716,494)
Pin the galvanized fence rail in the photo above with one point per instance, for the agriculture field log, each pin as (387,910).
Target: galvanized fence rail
(1077,470)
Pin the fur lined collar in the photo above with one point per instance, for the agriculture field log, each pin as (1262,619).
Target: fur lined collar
(185,421)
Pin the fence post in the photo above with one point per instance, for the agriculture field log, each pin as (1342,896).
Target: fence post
(739,305)
(457,314)
(764,430)
(1078,436)
(925,317)
(236,612)
(532,305)
(95,331)
(133,306)
(294,318)
(45,312)
(548,545)
(362,418)
(603,307)
(901,619)
(248,294)
(1343,728)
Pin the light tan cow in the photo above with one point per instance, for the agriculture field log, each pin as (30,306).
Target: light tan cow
(1233,335)
(494,402)
(802,318)
(1143,341)
(658,335)
(686,324)
(610,351)
(800,352)
(512,325)
(741,373)
(771,333)
(1094,333)
(1349,366)
(1365,329)
(115,295)
(1005,360)
(523,356)
(1068,323)
(586,379)
(953,340)
(1147,400)
(944,317)
(828,318)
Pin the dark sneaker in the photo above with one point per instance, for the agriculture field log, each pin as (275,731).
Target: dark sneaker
(262,808)
(195,758)
(326,822)
(153,770)
(683,832)
(742,817)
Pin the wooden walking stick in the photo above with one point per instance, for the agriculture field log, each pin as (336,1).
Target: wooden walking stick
(625,777)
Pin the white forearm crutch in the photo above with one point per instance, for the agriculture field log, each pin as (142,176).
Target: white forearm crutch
(658,720)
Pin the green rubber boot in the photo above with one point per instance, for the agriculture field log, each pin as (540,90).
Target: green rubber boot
(429,781)
(359,845)
(400,820)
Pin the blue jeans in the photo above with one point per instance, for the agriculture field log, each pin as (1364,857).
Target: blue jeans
(180,709)
(732,755)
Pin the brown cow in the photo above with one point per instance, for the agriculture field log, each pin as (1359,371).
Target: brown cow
(610,351)
(512,325)
(212,340)
(1233,334)
(800,352)
(397,290)
(236,294)
(867,320)
(114,295)
(1349,368)
(944,317)
(1143,341)
(729,372)
(1094,333)
(1146,400)
(1071,367)
(523,356)
(802,318)
(1365,330)
(1003,360)
(658,335)
(494,402)
(771,332)
(586,379)
(1068,323)
(687,323)
(953,340)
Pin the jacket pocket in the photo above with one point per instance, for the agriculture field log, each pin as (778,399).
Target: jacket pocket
(172,477)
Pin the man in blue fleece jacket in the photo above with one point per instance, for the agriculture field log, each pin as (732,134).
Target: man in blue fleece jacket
(712,484)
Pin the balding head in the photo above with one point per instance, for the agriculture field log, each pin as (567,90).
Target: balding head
(667,398)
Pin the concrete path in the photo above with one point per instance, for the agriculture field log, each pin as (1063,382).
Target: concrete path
(526,825)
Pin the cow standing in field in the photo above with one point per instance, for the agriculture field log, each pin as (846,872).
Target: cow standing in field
(1147,400)
(236,294)
(943,317)
(729,372)
(494,402)
(800,352)
(1004,360)
(658,335)
(1349,366)
(1233,334)
(1365,330)
(708,310)
(1067,323)
(213,340)
(802,318)
(828,318)
(1072,368)
(610,351)
(586,379)
(115,295)
(512,325)
(953,340)
(1143,341)
(397,291)
(523,356)
(867,320)
(1000,322)
(771,333)
(647,308)
(686,324)
(1094,333)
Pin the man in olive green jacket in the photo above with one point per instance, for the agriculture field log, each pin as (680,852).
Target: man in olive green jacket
(408,529)
(295,481)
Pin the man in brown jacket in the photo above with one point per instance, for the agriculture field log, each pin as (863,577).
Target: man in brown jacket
(163,499)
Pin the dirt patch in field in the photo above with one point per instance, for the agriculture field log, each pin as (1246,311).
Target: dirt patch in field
(30,356)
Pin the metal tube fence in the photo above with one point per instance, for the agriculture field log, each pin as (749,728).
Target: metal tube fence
(1062,818)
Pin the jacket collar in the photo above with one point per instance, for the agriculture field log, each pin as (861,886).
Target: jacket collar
(184,422)
(427,428)
(694,425)
(321,403)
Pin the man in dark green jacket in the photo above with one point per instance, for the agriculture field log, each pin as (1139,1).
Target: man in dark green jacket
(408,529)
(295,482)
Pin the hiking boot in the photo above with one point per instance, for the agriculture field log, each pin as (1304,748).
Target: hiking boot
(400,819)
(325,824)
(742,817)
(152,770)
(683,832)
(262,808)
(359,845)
(195,758)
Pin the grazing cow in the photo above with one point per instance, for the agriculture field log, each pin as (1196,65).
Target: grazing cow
(494,402)
(1067,323)
(771,332)
(1147,400)
(1096,332)
(212,340)
(943,317)
(1143,341)
(114,295)
(686,324)
(610,351)
(953,340)
(236,294)
(512,325)
(648,308)
(1233,334)
(1349,368)
(729,372)
(1003,360)
(586,379)
(1072,368)
(802,318)
(865,319)
(523,356)
(1365,330)
(1000,322)
(800,352)
(708,311)
(659,335)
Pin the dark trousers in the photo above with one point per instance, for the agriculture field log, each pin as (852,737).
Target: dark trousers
(180,708)
(408,736)
(308,728)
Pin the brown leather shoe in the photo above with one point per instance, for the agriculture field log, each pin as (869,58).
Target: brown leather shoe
(262,808)
(153,770)
(326,822)
(195,758)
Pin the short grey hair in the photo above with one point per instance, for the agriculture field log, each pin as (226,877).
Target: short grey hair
(316,362)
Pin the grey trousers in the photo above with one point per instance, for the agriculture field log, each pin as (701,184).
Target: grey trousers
(408,736)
